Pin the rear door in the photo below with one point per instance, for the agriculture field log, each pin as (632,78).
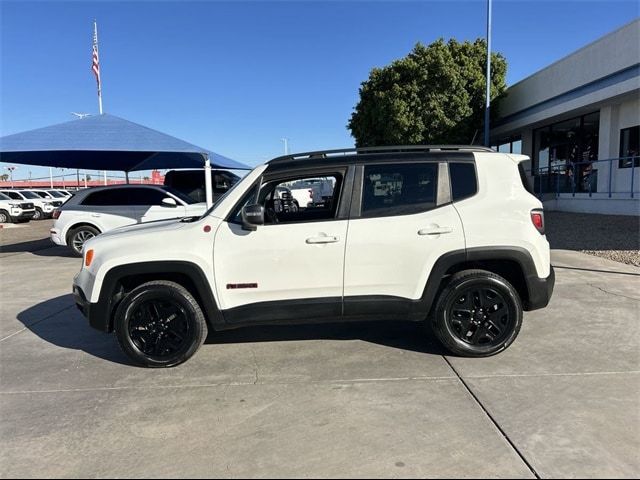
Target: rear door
(402,222)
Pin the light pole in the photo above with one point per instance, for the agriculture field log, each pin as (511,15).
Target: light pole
(11,169)
(63,184)
(487,140)
(286,145)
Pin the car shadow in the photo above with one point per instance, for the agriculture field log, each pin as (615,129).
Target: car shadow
(59,323)
(42,248)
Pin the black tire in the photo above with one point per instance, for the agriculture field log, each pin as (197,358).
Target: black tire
(5,217)
(150,340)
(477,314)
(38,215)
(78,236)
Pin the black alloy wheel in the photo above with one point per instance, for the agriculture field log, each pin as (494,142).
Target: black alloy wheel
(477,314)
(160,324)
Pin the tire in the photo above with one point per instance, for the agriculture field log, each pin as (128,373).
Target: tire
(78,236)
(38,215)
(5,217)
(150,340)
(477,314)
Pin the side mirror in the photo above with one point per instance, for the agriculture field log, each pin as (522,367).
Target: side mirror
(252,216)
(169,202)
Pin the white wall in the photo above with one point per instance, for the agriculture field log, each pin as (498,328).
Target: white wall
(613,118)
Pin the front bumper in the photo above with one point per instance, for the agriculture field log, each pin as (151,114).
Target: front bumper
(18,215)
(96,313)
(540,291)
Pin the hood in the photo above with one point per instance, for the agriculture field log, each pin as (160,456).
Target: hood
(147,227)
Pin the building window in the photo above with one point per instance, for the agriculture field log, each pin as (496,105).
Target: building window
(567,150)
(509,145)
(629,147)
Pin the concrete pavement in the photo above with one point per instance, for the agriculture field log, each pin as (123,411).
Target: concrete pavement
(366,400)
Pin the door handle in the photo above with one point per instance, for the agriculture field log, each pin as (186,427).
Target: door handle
(435,230)
(322,239)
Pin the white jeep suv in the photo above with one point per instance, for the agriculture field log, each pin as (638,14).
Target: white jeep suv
(93,211)
(445,234)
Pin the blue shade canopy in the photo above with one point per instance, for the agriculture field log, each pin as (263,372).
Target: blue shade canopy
(106,142)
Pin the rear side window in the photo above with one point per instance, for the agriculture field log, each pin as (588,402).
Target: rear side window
(399,189)
(105,198)
(526,183)
(464,183)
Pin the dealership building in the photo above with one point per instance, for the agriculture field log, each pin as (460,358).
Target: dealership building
(579,121)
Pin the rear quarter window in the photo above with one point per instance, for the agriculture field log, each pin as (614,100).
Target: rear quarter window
(464,182)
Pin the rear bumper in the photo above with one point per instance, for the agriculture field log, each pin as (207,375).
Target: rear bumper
(56,237)
(540,290)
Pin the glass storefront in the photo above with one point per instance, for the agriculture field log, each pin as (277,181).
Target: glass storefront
(563,154)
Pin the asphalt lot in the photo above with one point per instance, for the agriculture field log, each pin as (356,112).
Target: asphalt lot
(366,400)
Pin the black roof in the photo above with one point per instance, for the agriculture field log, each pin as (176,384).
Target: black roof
(365,154)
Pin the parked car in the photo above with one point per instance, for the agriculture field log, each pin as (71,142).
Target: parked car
(311,192)
(191,182)
(53,195)
(44,208)
(93,211)
(55,200)
(15,211)
(448,236)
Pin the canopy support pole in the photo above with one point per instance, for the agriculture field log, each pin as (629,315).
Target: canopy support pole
(207,181)
(126,176)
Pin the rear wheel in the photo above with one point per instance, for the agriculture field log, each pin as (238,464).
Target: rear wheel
(79,236)
(478,314)
(160,324)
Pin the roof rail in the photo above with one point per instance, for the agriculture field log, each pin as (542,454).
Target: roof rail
(399,148)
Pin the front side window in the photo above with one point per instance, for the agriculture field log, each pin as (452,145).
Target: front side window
(630,147)
(399,189)
(145,196)
(305,199)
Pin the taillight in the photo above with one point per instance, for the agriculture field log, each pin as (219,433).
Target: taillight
(537,218)
(56,214)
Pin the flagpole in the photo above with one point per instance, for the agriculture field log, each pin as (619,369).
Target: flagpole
(95,39)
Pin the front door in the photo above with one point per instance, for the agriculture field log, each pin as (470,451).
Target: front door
(291,268)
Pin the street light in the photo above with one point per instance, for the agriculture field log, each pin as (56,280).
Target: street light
(286,145)
(11,169)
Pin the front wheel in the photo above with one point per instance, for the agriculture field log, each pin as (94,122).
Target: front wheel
(160,324)
(38,215)
(4,217)
(477,314)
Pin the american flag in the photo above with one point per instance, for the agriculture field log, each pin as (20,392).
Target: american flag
(95,65)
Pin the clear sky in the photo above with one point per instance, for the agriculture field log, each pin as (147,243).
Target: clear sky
(236,77)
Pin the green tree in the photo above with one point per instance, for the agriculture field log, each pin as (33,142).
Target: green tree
(434,95)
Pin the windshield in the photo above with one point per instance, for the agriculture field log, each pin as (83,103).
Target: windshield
(27,194)
(41,194)
(4,197)
(55,194)
(14,195)
(176,193)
